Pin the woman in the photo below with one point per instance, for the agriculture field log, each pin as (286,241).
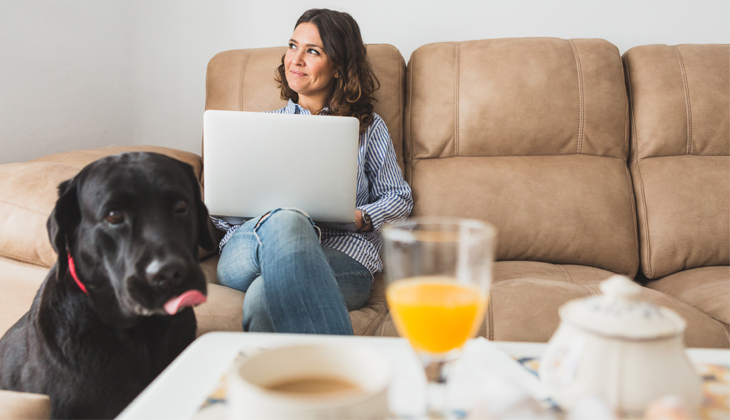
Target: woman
(294,280)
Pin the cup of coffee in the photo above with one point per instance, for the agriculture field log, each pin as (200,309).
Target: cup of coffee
(316,381)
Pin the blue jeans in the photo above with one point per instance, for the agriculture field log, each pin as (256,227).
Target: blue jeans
(292,283)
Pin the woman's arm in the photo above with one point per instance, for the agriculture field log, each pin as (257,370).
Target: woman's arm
(390,195)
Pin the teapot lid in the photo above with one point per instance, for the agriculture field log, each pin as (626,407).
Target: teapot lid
(619,313)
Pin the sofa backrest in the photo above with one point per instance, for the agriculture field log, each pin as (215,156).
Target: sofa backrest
(28,194)
(531,135)
(680,106)
(243,80)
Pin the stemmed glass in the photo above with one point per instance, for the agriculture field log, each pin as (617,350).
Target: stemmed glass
(438,272)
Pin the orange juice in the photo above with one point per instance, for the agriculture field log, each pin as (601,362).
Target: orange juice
(436,314)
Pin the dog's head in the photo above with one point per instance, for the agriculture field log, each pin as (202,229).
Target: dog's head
(132,223)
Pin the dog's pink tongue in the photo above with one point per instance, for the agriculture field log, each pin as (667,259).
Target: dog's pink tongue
(189,298)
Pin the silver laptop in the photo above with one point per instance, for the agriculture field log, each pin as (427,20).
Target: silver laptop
(255,162)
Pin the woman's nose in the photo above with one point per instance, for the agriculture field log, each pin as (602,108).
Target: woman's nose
(298,58)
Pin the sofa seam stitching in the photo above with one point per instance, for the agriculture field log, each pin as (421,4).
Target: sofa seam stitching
(687,101)
(581,99)
(566,274)
(24,207)
(242,78)
(590,290)
(634,137)
(381,327)
(373,320)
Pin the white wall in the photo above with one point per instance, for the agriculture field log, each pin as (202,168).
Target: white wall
(65,77)
(84,73)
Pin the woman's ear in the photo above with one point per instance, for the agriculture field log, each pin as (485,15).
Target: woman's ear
(63,221)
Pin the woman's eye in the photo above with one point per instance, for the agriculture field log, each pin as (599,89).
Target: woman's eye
(313,51)
(115,217)
(181,206)
(292,46)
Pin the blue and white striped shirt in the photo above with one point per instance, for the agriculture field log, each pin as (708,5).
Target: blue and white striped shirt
(381,192)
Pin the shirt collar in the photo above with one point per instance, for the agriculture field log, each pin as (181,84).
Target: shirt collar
(292,108)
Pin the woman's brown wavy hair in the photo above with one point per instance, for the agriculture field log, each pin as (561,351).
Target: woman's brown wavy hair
(352,92)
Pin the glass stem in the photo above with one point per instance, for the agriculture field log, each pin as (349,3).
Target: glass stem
(437,398)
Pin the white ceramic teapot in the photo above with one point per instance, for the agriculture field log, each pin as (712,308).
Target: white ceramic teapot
(619,348)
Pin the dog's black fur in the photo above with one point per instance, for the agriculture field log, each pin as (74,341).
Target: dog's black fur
(132,223)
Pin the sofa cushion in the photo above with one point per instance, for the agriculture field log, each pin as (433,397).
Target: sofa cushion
(516,97)
(243,80)
(368,319)
(561,209)
(223,311)
(24,405)
(706,288)
(680,103)
(519,310)
(702,330)
(531,135)
(527,310)
(19,282)
(29,190)
(525,298)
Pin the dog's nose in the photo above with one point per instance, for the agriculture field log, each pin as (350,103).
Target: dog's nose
(168,272)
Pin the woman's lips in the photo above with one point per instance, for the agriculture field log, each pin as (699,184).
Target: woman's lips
(297,73)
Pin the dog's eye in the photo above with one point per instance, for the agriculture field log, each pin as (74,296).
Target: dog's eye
(115,217)
(181,206)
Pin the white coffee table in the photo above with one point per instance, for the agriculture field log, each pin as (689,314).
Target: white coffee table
(185,385)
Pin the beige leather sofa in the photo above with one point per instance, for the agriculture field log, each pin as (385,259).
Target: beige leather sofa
(587,163)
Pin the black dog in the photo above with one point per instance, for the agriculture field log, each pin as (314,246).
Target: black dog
(105,321)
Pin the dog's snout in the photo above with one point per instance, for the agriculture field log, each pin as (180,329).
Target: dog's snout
(168,272)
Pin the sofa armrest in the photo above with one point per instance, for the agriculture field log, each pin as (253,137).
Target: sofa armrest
(24,405)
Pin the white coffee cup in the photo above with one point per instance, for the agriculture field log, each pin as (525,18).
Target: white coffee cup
(317,381)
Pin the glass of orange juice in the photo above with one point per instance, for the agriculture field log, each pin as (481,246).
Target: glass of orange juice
(438,271)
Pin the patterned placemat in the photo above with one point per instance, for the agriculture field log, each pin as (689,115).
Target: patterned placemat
(715,385)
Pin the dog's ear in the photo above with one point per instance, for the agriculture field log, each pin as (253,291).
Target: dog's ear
(205,236)
(63,221)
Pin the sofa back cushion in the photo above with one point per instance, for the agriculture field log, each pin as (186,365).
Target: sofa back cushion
(243,80)
(680,105)
(531,135)
(29,190)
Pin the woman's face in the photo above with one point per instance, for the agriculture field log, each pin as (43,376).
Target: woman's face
(309,72)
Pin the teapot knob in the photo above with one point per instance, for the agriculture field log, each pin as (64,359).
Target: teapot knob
(621,287)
